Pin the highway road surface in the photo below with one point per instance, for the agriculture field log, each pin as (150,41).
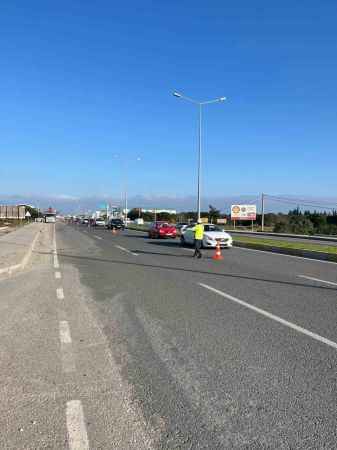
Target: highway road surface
(122,342)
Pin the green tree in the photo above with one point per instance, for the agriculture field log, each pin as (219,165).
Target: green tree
(133,213)
(213,214)
(34,212)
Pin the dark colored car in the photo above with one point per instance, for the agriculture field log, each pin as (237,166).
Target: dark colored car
(116,224)
(162,230)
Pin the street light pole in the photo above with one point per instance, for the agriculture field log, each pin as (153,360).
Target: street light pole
(125,174)
(200,105)
(199,164)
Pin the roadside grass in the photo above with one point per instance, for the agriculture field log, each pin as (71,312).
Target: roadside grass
(287,244)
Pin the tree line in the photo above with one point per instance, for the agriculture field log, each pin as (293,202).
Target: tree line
(295,221)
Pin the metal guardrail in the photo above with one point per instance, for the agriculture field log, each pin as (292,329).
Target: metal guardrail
(286,235)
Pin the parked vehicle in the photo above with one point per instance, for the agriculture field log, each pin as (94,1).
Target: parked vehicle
(115,224)
(50,218)
(212,234)
(162,230)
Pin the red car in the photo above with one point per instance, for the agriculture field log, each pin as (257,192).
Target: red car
(162,230)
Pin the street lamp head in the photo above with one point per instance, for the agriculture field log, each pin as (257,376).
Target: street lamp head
(176,94)
(222,99)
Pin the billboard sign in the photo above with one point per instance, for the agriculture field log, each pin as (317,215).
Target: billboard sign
(243,212)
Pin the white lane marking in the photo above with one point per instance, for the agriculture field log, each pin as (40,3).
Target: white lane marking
(96,237)
(295,327)
(67,358)
(60,293)
(54,241)
(284,254)
(126,250)
(317,279)
(77,432)
(58,275)
(56,262)
(65,337)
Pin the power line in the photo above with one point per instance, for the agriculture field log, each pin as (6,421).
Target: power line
(300,202)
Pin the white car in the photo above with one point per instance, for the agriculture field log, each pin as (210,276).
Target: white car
(100,222)
(212,234)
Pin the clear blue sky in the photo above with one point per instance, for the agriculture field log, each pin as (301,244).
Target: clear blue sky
(81,81)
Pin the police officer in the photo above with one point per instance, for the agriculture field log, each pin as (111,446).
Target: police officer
(198,237)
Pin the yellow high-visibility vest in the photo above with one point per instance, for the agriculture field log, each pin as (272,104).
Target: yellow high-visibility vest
(199,231)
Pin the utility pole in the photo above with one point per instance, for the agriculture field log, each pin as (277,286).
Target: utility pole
(262,212)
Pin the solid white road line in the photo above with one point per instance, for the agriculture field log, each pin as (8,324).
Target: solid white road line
(65,337)
(317,279)
(77,433)
(60,293)
(291,325)
(58,275)
(126,250)
(284,254)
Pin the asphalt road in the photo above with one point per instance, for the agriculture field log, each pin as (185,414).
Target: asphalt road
(136,345)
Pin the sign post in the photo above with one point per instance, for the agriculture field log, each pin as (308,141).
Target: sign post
(243,212)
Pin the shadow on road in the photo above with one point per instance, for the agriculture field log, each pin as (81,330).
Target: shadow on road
(196,271)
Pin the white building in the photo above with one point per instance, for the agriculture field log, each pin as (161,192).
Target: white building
(159,211)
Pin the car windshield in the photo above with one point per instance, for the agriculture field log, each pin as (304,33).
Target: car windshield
(212,228)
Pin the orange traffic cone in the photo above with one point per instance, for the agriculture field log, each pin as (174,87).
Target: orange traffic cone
(217,251)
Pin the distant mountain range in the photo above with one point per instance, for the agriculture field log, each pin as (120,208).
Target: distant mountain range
(68,204)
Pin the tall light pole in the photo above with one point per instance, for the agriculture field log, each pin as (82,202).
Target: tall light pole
(125,174)
(199,105)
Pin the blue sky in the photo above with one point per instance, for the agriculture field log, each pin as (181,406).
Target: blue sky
(82,81)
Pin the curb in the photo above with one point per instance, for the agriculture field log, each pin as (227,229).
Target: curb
(10,269)
(321,256)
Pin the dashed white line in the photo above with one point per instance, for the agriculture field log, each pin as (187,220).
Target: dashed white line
(65,337)
(291,325)
(126,250)
(58,275)
(56,262)
(317,279)
(60,293)
(67,357)
(77,433)
(96,237)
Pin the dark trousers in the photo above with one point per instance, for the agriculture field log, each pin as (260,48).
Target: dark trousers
(197,247)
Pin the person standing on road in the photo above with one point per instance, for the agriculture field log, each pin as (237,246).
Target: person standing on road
(198,237)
